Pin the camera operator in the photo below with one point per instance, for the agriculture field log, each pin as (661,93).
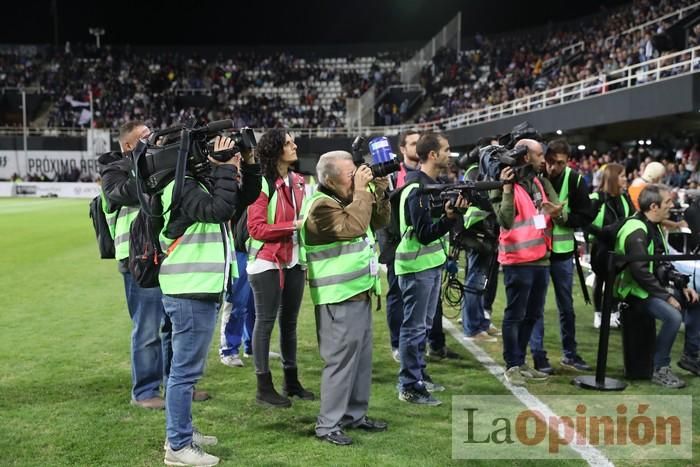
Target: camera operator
(525,209)
(573,194)
(193,277)
(338,239)
(148,348)
(420,257)
(388,240)
(482,269)
(643,285)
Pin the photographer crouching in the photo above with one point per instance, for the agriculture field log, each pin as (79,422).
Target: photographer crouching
(643,284)
(337,234)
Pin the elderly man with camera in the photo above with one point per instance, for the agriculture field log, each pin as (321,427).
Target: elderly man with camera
(526,209)
(644,285)
(337,234)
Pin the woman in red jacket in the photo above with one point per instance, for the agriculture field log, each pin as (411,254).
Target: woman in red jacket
(274,272)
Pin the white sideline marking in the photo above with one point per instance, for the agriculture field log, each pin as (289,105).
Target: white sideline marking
(588,453)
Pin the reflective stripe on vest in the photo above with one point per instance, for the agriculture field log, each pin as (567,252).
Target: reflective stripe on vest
(110,217)
(473,216)
(523,243)
(625,284)
(562,236)
(411,255)
(340,270)
(122,227)
(254,246)
(198,264)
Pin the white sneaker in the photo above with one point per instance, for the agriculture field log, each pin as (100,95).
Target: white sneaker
(191,455)
(615,320)
(395,355)
(274,354)
(482,336)
(232,360)
(596,320)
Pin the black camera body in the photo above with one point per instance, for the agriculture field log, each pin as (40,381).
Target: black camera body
(157,159)
(493,159)
(473,192)
(667,275)
(380,169)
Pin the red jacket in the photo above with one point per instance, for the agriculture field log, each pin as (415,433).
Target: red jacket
(277,237)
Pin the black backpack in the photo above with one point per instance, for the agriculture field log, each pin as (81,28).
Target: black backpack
(145,254)
(105,242)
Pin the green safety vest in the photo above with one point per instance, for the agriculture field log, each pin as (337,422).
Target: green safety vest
(340,270)
(562,236)
(600,217)
(474,215)
(197,263)
(625,284)
(119,223)
(254,246)
(411,255)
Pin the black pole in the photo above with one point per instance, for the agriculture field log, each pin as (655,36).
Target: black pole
(600,382)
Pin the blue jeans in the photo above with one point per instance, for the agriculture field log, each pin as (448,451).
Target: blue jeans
(147,348)
(394,306)
(237,326)
(526,290)
(473,319)
(420,292)
(193,326)
(562,273)
(670,323)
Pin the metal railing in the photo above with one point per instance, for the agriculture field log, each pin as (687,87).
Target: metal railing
(666,67)
(641,27)
(568,50)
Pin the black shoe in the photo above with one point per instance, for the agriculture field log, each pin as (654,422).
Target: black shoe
(690,363)
(368,424)
(418,396)
(444,352)
(542,364)
(576,363)
(266,394)
(337,437)
(293,388)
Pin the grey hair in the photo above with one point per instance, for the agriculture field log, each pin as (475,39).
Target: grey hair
(326,167)
(652,194)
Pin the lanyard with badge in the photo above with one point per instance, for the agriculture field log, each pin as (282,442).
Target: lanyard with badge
(539,219)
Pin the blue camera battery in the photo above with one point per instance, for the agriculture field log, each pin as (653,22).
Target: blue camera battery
(380,150)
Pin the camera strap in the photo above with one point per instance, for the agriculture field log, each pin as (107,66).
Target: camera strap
(290,180)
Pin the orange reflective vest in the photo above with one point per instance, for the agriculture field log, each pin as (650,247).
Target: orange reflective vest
(524,242)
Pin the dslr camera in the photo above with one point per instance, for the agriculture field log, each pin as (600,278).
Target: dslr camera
(667,275)
(384,162)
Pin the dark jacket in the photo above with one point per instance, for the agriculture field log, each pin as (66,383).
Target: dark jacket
(418,212)
(637,243)
(581,212)
(387,239)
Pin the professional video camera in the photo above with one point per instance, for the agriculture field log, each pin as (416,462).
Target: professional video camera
(470,158)
(493,159)
(667,275)
(384,162)
(441,193)
(157,160)
(520,131)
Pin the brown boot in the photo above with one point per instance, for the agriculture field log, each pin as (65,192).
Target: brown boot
(199,396)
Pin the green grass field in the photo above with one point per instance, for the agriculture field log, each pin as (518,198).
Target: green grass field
(65,376)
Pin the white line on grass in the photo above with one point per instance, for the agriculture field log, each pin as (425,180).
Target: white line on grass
(588,453)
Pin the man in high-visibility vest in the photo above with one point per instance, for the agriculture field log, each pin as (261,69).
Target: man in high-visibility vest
(148,350)
(525,209)
(338,245)
(643,285)
(193,277)
(573,194)
(420,257)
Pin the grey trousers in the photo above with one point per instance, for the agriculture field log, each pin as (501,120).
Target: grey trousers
(344,332)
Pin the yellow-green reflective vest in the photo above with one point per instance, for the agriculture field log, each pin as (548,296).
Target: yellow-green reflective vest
(562,236)
(340,270)
(600,217)
(197,264)
(119,223)
(625,284)
(110,217)
(254,246)
(411,255)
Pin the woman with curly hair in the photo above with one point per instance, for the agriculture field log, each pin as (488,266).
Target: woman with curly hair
(275,274)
